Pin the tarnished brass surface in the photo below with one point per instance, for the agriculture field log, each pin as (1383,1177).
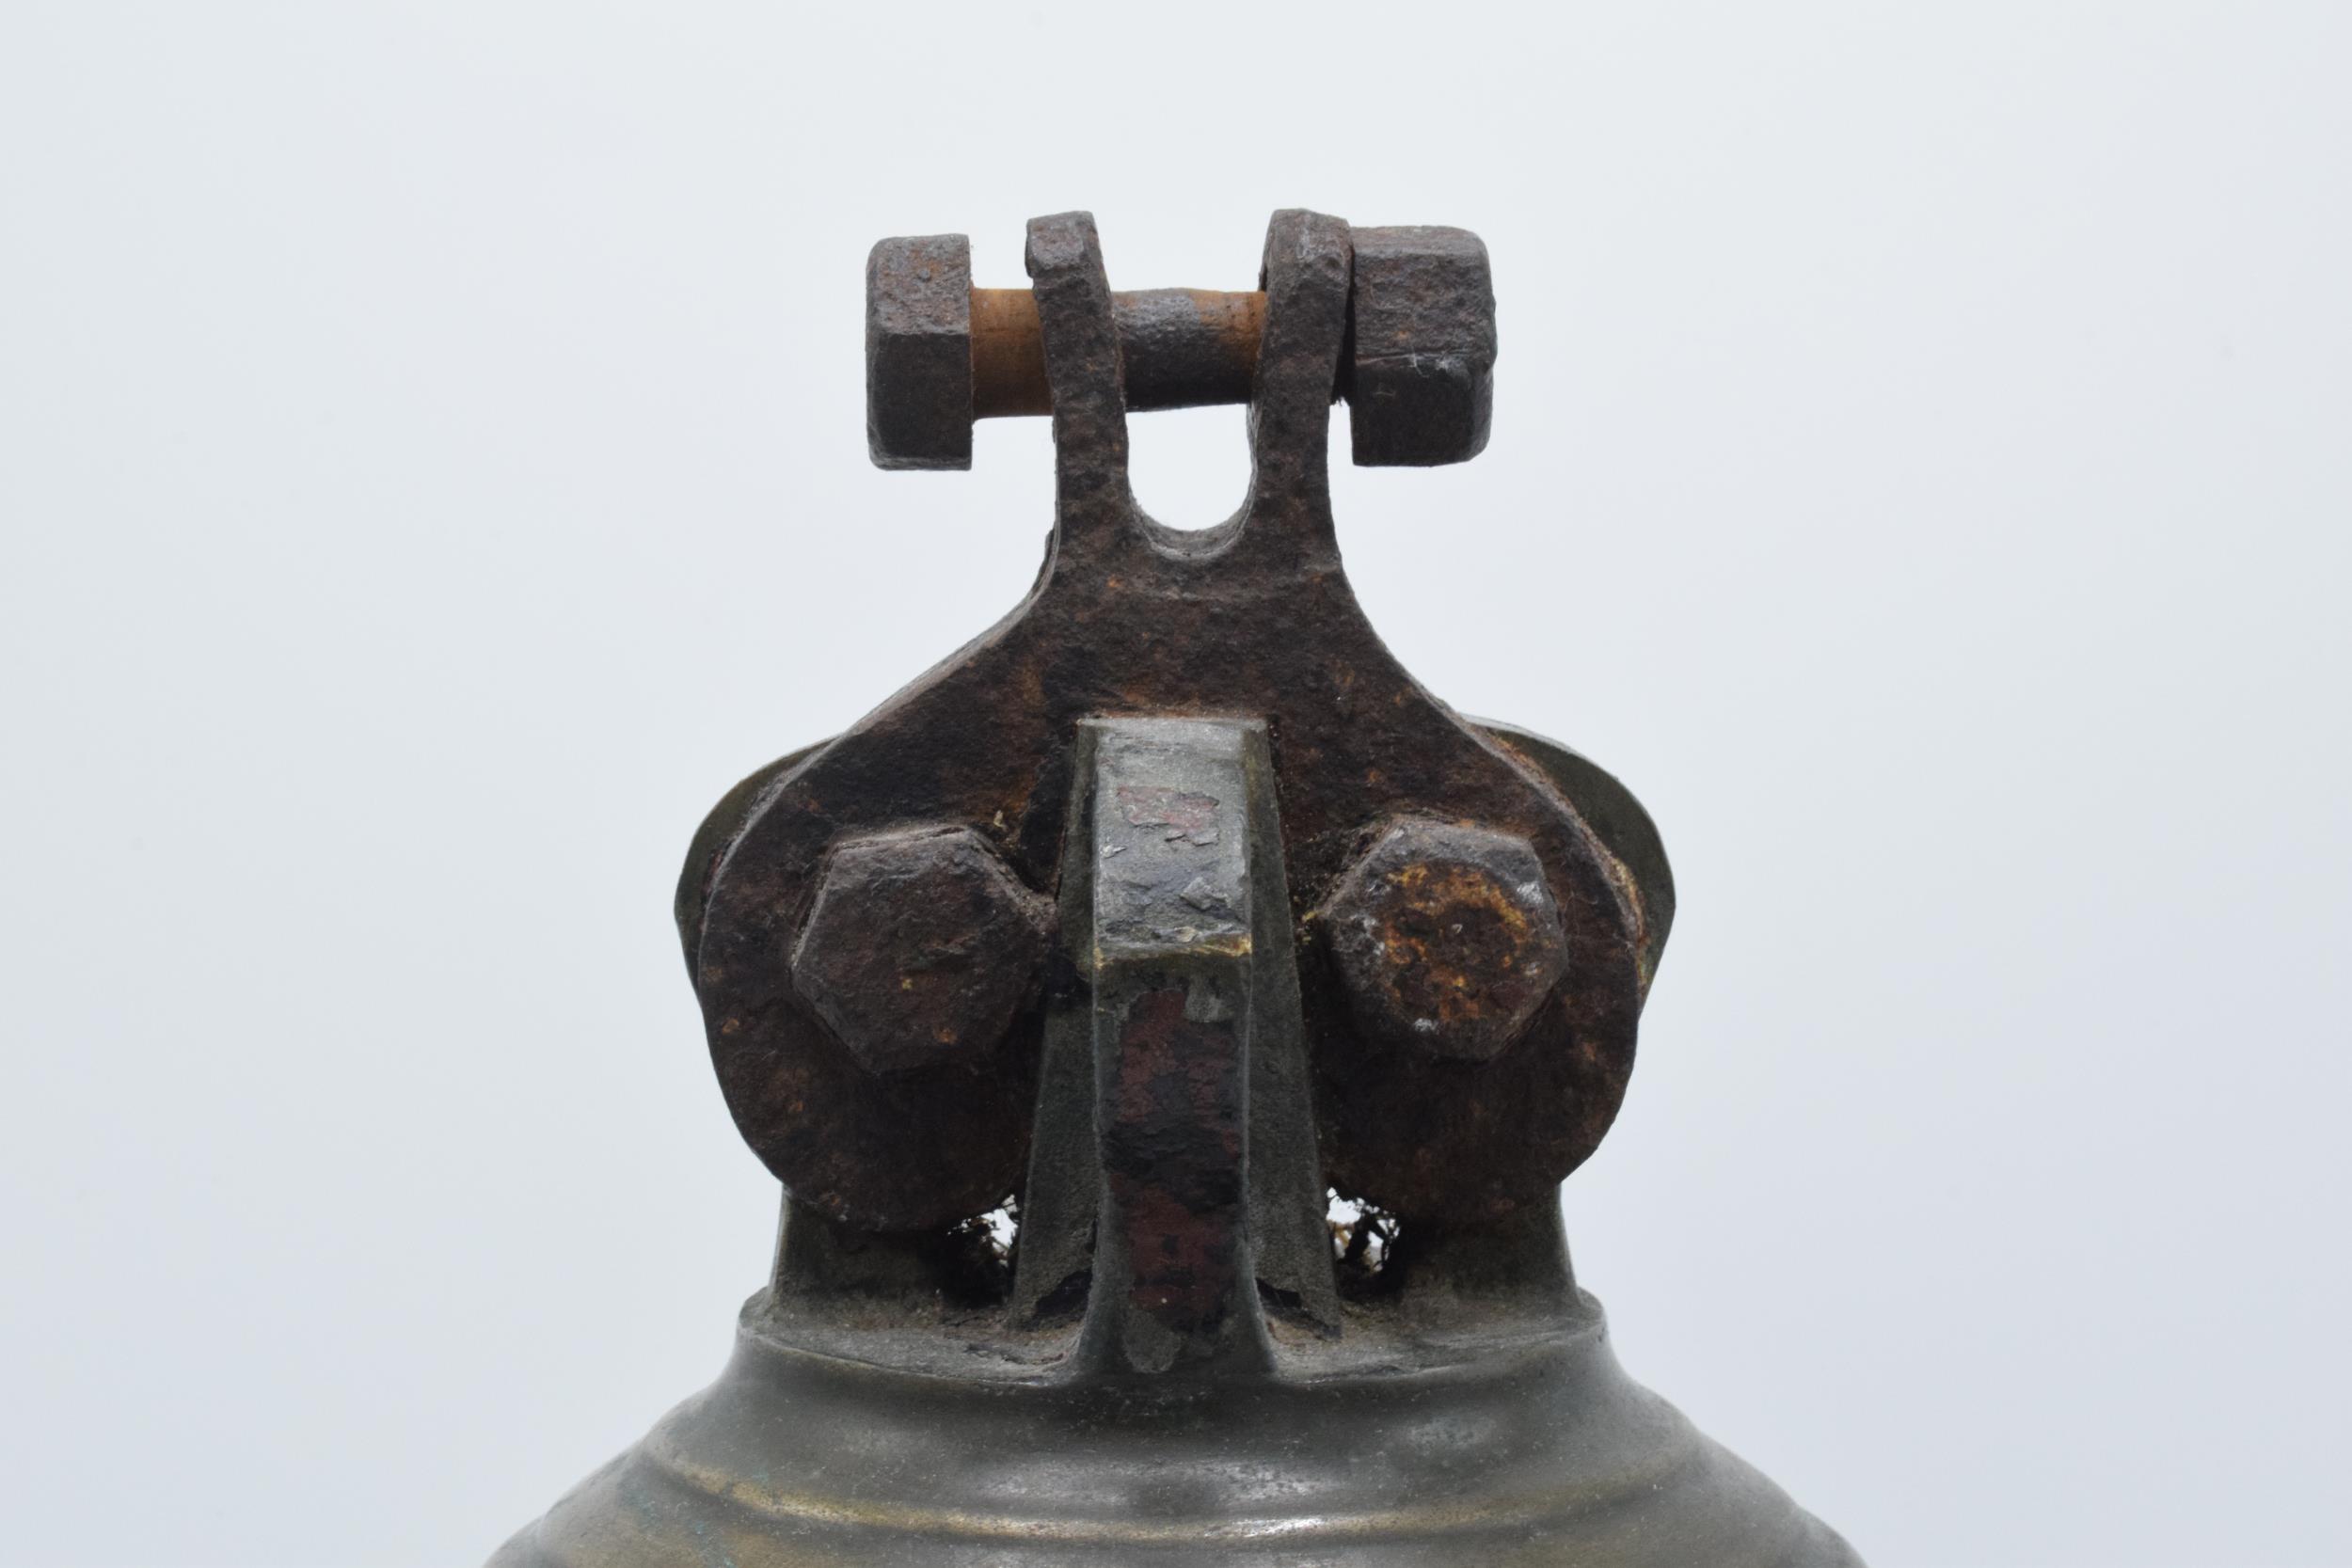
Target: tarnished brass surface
(1507,1448)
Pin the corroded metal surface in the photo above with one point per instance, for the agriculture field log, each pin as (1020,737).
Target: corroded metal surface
(918,353)
(1423,389)
(1253,617)
(1445,939)
(1169,967)
(1418,373)
(1169,1024)
(1182,348)
(920,949)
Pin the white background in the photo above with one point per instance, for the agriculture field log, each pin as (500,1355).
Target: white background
(432,464)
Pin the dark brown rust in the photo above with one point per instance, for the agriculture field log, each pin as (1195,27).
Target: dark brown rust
(918,354)
(1420,383)
(1445,939)
(1189,348)
(1254,617)
(918,956)
(1171,969)
(920,948)
(1171,1120)
(1424,387)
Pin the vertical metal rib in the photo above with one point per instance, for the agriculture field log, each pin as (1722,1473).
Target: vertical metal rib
(1174,1171)
(1171,955)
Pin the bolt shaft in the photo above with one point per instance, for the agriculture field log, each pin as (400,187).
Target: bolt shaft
(1179,348)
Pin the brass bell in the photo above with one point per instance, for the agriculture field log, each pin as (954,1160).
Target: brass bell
(1170,1025)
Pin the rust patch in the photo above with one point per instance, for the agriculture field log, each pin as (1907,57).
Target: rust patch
(1253,618)
(1172,1159)
(919,949)
(1446,939)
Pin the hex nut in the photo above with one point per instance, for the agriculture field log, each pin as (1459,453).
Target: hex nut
(1421,388)
(920,948)
(918,351)
(1446,939)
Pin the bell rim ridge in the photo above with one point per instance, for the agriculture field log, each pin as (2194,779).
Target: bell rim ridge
(1576,1464)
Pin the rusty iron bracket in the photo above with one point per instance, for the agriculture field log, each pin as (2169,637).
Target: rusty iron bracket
(1473,952)
(1170,1025)
(1417,367)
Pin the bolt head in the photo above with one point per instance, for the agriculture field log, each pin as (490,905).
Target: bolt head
(920,949)
(1446,939)
(1421,386)
(918,351)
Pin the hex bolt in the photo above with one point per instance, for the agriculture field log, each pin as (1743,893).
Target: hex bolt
(920,948)
(1445,937)
(940,353)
